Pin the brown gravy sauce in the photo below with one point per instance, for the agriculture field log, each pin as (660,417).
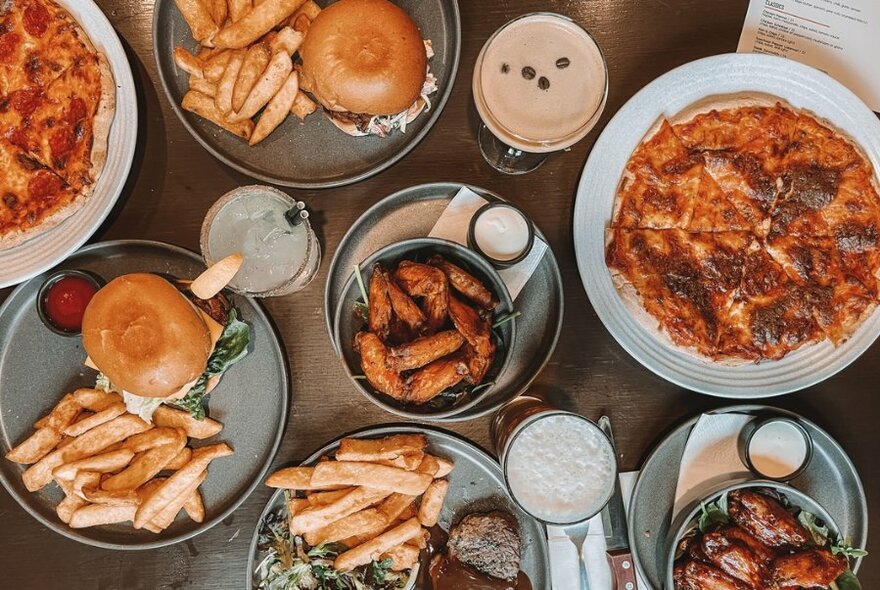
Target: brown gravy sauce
(450,574)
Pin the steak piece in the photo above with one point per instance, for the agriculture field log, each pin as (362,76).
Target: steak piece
(488,542)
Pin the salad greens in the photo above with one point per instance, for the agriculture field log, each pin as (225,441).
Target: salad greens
(715,513)
(231,347)
(291,565)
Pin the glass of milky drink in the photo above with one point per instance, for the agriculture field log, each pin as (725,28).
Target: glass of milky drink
(271,231)
(540,85)
(559,467)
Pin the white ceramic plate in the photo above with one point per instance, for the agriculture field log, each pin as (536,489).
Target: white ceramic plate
(46,250)
(801,86)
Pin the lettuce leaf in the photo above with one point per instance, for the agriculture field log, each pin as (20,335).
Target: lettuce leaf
(231,347)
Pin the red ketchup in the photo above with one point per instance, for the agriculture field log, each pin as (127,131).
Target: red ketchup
(65,302)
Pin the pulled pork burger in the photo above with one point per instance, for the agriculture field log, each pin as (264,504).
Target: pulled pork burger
(155,342)
(365,61)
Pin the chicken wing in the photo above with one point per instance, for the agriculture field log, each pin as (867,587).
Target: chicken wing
(374,362)
(465,283)
(422,351)
(422,280)
(405,309)
(813,568)
(766,554)
(766,519)
(380,304)
(480,351)
(734,558)
(426,383)
(694,575)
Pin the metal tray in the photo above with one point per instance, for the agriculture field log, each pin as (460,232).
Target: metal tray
(38,366)
(411,213)
(312,153)
(475,485)
(831,479)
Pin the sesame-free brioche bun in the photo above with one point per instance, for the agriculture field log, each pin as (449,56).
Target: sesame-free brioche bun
(364,56)
(145,336)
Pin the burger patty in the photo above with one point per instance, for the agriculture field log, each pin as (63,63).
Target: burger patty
(489,542)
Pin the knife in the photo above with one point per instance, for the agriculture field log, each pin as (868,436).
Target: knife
(623,571)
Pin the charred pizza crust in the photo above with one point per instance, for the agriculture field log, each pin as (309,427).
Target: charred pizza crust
(57,103)
(744,229)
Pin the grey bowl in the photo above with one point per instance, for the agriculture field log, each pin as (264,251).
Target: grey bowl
(346,323)
(686,519)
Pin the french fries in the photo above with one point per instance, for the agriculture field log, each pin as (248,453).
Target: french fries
(109,463)
(277,109)
(432,502)
(384,509)
(256,23)
(279,68)
(255,61)
(197,15)
(198,429)
(380,477)
(244,63)
(364,554)
(204,106)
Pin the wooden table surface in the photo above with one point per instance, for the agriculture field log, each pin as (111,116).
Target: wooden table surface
(174,181)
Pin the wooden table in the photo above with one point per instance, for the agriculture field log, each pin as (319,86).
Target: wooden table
(174,181)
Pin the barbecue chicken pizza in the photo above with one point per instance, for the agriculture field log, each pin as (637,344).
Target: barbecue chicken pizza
(746,229)
(56,104)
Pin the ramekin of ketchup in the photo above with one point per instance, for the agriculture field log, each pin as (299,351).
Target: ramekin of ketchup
(62,300)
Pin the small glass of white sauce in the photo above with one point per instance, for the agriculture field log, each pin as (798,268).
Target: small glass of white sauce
(776,448)
(501,233)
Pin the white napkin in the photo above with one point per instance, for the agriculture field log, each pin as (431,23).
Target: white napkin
(453,226)
(710,457)
(598,570)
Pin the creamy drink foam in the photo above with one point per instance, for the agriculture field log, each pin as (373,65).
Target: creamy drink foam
(540,83)
(560,468)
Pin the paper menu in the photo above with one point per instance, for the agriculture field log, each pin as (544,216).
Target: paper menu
(839,37)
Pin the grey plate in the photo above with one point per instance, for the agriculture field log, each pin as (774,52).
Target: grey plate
(38,366)
(831,480)
(313,153)
(346,324)
(411,213)
(475,485)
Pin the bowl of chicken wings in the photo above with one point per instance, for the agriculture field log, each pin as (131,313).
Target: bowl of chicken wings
(426,328)
(759,535)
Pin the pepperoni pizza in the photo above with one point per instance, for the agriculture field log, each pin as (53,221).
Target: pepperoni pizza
(56,104)
(745,231)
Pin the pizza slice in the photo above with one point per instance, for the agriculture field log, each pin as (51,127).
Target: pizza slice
(713,211)
(57,125)
(32,197)
(745,182)
(841,295)
(659,184)
(685,281)
(38,41)
(769,316)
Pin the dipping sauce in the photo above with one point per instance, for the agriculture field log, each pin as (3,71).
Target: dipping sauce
(502,232)
(560,468)
(65,301)
(451,574)
(778,448)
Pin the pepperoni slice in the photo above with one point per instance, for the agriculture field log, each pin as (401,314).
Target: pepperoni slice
(43,185)
(77,110)
(18,138)
(9,43)
(36,19)
(61,143)
(26,101)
